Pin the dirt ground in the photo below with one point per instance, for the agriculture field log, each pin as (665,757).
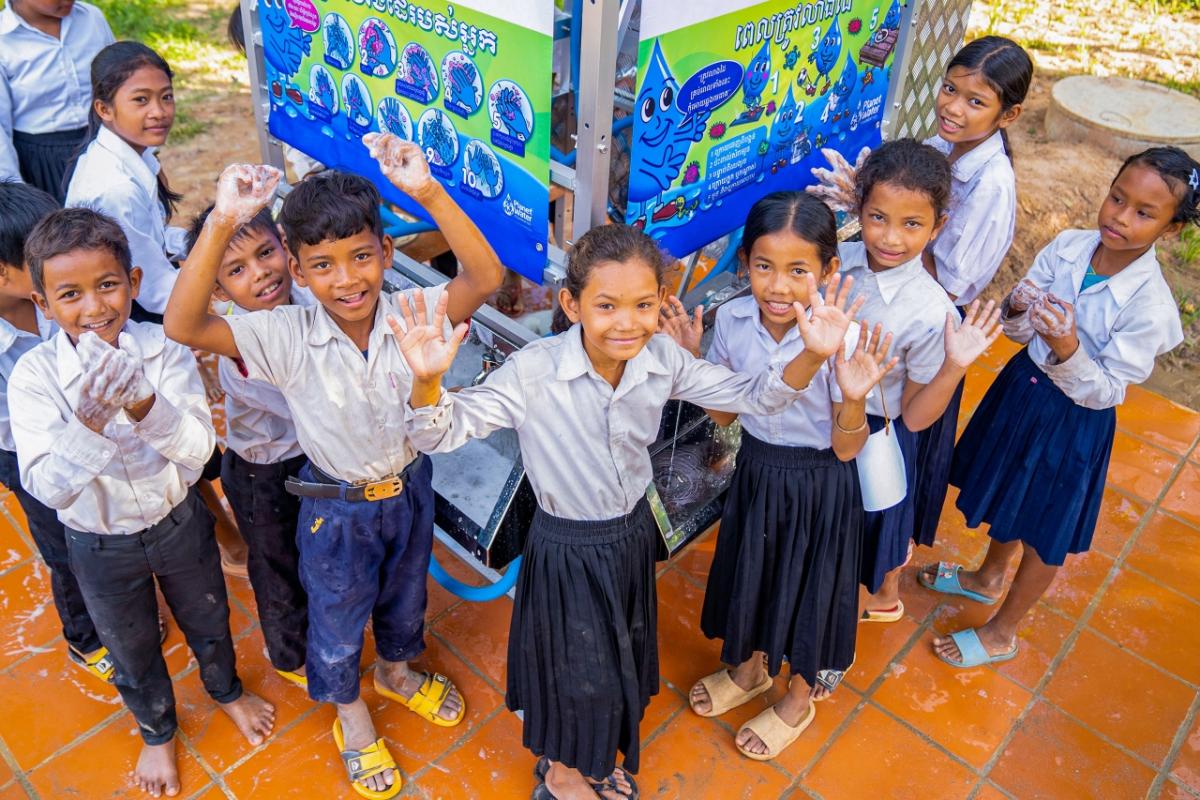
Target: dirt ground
(1060,185)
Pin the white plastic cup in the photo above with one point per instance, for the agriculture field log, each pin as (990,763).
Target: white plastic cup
(881,472)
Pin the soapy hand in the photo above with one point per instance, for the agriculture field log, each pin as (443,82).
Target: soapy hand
(836,186)
(401,161)
(687,331)
(1023,296)
(1054,320)
(243,190)
(105,389)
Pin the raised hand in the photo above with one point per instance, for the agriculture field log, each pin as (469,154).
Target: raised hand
(836,186)
(687,331)
(401,161)
(243,190)
(824,326)
(1023,296)
(423,343)
(974,336)
(858,373)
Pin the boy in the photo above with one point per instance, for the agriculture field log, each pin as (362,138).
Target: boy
(21,328)
(366,518)
(112,429)
(262,447)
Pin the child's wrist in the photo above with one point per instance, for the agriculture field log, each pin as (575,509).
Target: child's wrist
(427,193)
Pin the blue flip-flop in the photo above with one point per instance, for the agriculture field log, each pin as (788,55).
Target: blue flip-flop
(947,582)
(973,653)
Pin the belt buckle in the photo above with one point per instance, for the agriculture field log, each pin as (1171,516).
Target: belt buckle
(382,490)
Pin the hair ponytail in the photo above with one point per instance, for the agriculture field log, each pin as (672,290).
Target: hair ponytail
(1004,65)
(112,67)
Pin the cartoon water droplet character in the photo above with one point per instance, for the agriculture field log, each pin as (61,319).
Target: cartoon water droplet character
(419,71)
(463,89)
(783,128)
(662,134)
(839,99)
(510,109)
(891,21)
(758,71)
(826,56)
(337,42)
(284,47)
(378,54)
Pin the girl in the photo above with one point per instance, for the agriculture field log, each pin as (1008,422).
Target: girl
(1095,313)
(982,94)
(583,655)
(46,50)
(784,579)
(904,188)
(133,108)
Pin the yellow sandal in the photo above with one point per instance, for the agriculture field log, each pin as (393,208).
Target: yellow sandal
(293,677)
(97,664)
(427,701)
(361,764)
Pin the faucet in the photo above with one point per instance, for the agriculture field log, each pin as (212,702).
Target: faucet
(491,360)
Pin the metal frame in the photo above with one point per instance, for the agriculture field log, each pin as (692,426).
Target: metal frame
(270,148)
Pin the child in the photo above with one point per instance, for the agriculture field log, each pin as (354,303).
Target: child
(366,513)
(784,579)
(582,651)
(982,95)
(904,187)
(133,109)
(46,51)
(262,446)
(112,429)
(21,328)
(1095,313)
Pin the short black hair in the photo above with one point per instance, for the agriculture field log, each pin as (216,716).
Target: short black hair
(21,207)
(909,164)
(262,221)
(329,205)
(70,229)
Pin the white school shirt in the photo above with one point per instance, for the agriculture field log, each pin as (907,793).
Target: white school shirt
(912,307)
(1123,323)
(112,178)
(132,476)
(258,423)
(583,443)
(348,410)
(741,343)
(46,83)
(15,343)
(982,218)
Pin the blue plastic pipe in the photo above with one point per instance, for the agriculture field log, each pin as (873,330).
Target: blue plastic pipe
(476,594)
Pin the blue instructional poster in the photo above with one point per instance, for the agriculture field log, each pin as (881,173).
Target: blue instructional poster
(470,83)
(736,98)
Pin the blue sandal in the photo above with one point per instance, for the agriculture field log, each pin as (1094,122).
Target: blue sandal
(947,582)
(973,653)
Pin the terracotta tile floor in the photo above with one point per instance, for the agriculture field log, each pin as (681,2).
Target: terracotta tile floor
(1101,702)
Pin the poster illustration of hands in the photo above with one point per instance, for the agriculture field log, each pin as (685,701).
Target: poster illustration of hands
(735,104)
(468,82)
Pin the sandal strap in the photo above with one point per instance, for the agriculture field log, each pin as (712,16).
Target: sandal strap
(429,699)
(724,694)
(776,734)
(363,764)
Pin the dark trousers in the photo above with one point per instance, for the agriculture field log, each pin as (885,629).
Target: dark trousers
(361,561)
(117,574)
(50,536)
(266,516)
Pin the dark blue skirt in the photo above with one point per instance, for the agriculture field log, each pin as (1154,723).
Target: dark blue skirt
(885,545)
(935,451)
(47,160)
(1032,463)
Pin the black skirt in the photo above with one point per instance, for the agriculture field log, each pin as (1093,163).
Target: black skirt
(784,577)
(583,647)
(935,451)
(1032,463)
(48,159)
(888,532)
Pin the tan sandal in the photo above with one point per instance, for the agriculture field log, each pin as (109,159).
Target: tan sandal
(775,733)
(725,695)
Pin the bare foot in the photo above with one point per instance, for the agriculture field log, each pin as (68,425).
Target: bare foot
(792,709)
(156,773)
(746,676)
(358,733)
(253,716)
(995,642)
(971,580)
(566,783)
(398,677)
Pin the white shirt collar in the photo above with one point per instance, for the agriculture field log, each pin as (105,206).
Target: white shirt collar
(1125,284)
(967,166)
(573,361)
(889,281)
(750,310)
(9,333)
(10,20)
(144,167)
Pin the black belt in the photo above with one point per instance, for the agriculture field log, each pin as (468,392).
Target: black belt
(331,488)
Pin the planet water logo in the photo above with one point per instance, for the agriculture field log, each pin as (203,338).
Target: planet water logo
(517,210)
